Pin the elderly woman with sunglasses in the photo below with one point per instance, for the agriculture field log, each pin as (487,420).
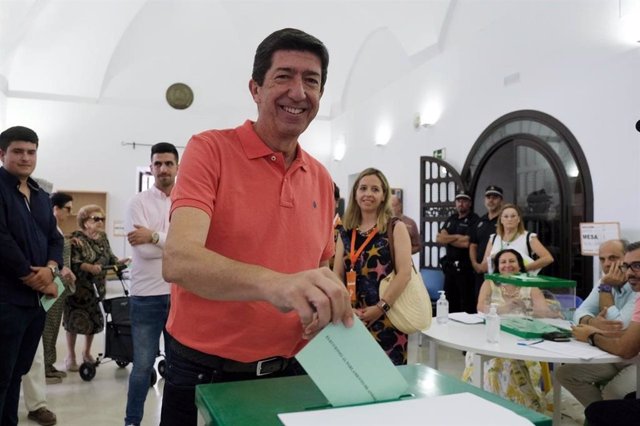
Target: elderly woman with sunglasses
(90,251)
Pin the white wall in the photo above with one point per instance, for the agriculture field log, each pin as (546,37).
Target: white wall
(583,75)
(570,58)
(3,101)
(81,144)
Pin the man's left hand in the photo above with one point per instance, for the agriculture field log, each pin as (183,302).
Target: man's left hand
(581,331)
(615,277)
(140,235)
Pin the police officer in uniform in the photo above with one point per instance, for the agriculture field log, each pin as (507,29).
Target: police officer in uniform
(493,197)
(459,276)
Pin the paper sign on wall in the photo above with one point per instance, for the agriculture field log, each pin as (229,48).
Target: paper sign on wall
(592,234)
(118,228)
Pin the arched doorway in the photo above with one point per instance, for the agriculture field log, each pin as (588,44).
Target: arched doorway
(532,179)
(542,168)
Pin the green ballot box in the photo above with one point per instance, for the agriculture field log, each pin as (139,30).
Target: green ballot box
(258,402)
(559,292)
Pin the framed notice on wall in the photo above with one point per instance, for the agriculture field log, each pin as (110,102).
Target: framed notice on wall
(592,234)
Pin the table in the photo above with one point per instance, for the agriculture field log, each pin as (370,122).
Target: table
(472,337)
(258,402)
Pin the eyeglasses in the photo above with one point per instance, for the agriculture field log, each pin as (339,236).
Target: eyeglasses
(97,218)
(634,266)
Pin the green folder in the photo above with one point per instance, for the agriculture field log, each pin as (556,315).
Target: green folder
(530,328)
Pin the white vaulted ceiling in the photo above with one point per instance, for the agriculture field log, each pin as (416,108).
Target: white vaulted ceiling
(127,52)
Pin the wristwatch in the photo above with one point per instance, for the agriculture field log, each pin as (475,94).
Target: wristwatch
(155,237)
(54,270)
(605,288)
(591,339)
(382,304)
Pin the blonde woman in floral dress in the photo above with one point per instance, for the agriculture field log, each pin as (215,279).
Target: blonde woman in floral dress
(363,257)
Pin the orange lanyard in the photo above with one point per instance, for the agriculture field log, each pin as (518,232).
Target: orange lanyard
(353,255)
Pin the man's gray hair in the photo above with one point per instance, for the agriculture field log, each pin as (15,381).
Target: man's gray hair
(632,247)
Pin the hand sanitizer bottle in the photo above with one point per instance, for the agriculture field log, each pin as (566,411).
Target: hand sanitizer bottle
(492,324)
(442,309)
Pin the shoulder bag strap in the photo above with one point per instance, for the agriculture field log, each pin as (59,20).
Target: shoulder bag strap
(390,226)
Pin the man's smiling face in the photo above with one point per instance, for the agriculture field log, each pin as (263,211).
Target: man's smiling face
(290,96)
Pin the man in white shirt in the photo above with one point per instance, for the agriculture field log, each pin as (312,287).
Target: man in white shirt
(609,307)
(147,222)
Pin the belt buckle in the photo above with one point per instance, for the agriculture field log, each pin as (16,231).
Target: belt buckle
(259,371)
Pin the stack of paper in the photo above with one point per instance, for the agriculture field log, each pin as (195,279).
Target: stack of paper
(466,318)
(462,409)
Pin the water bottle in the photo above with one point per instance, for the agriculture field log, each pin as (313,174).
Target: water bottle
(492,324)
(442,309)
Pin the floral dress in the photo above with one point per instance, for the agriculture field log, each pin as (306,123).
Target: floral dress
(82,315)
(373,265)
(515,380)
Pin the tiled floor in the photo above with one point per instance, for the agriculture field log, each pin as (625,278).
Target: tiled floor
(102,401)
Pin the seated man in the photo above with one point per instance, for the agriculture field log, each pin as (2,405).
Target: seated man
(625,344)
(608,307)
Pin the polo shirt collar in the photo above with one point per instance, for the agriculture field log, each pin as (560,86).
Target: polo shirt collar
(254,147)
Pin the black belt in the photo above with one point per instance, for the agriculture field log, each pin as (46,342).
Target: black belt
(262,367)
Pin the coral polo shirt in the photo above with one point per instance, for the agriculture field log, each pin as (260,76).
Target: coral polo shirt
(261,214)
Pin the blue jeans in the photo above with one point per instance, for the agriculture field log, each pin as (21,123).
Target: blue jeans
(20,332)
(148,318)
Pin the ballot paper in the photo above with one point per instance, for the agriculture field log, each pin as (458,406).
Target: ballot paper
(46,301)
(461,409)
(466,318)
(349,366)
(573,348)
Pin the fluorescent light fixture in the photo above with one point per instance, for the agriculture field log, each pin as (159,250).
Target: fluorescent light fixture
(383,134)
(427,117)
(339,148)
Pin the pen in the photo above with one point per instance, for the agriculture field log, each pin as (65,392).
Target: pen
(530,342)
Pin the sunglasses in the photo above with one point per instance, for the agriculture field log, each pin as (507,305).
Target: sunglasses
(97,218)
(634,266)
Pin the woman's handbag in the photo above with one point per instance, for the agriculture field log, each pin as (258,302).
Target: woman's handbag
(411,312)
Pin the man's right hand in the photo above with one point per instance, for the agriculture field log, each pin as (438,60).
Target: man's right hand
(615,277)
(317,295)
(600,321)
(41,279)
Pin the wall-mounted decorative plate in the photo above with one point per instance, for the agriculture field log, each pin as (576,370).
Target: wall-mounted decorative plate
(179,96)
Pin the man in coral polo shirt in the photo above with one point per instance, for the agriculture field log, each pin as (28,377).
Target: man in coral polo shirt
(251,234)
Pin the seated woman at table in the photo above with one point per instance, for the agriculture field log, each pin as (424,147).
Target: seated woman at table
(515,380)
(512,299)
